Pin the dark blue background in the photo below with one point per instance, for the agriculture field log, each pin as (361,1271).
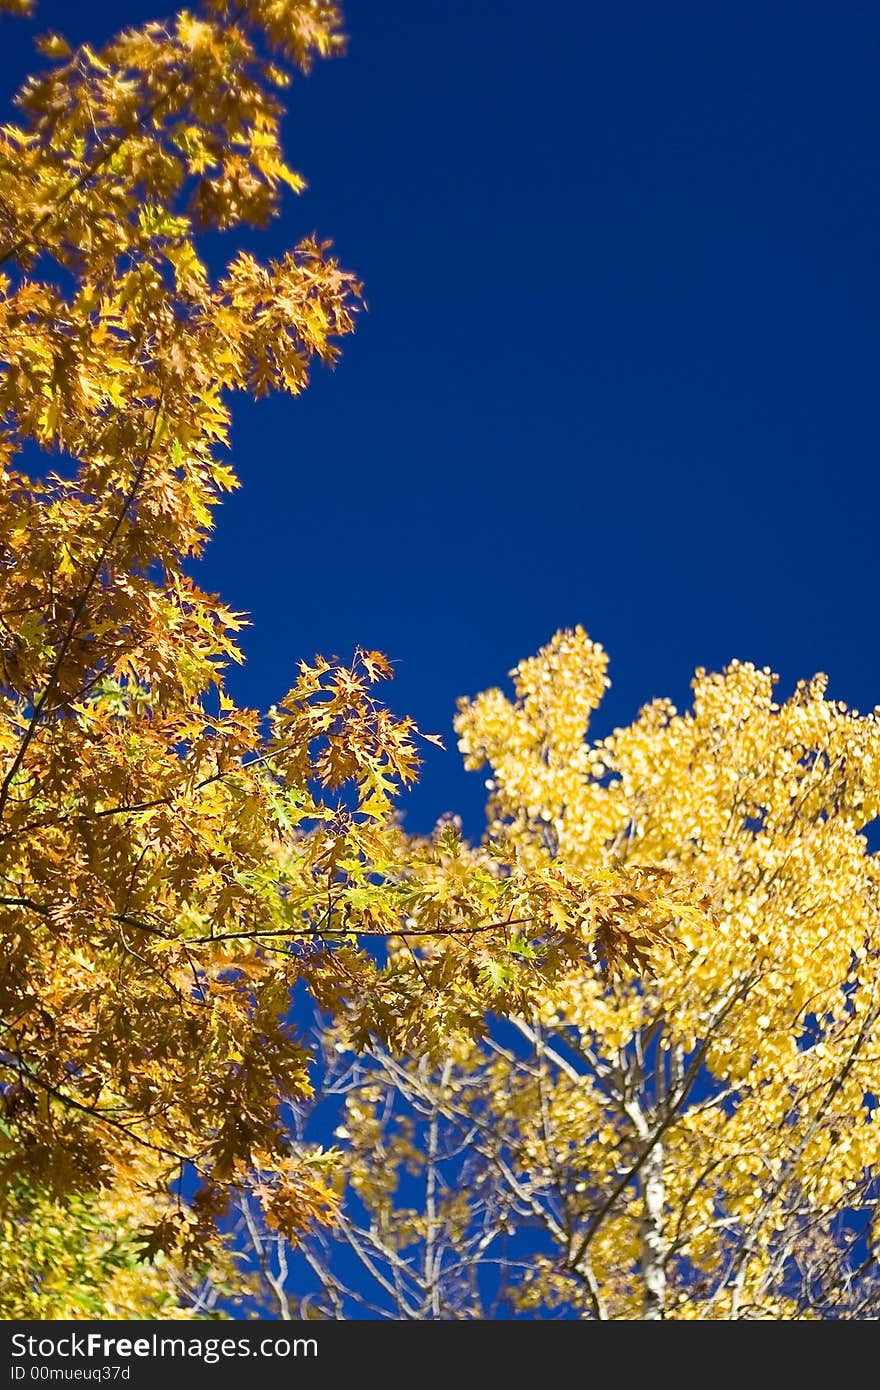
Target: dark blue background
(620,362)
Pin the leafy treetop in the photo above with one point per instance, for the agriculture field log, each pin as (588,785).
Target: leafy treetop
(171,865)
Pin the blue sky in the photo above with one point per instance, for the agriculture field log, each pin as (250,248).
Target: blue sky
(620,360)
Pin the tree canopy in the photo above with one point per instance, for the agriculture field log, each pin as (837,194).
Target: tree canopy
(697,1142)
(174,867)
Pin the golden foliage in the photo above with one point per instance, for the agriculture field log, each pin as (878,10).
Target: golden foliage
(700,1141)
(83,1257)
(169,870)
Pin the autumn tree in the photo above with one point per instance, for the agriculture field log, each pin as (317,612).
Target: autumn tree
(696,1142)
(173,866)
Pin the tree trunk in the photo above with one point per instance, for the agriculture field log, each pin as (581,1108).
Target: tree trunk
(653,1262)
